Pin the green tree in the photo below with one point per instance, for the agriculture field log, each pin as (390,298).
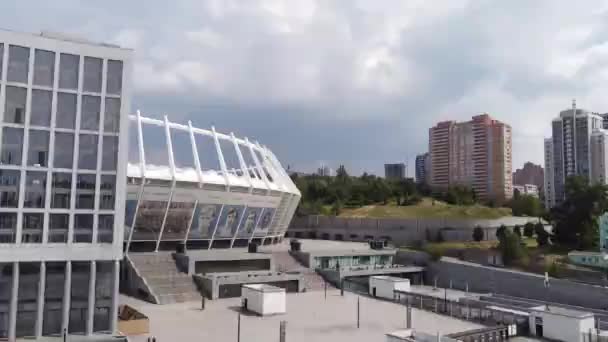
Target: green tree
(526,205)
(542,237)
(575,220)
(529,229)
(336,209)
(511,248)
(517,231)
(478,234)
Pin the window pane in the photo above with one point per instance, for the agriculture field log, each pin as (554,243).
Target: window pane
(6,285)
(83,228)
(89,116)
(41,108)
(32,228)
(38,153)
(29,278)
(111,120)
(87,155)
(92,74)
(44,68)
(9,188)
(107,189)
(8,227)
(64,145)
(105,231)
(62,187)
(12,145)
(58,228)
(14,108)
(66,110)
(114,81)
(18,64)
(35,189)
(103,296)
(53,298)
(79,296)
(85,192)
(110,153)
(68,71)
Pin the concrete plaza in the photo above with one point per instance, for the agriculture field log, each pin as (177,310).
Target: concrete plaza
(310,317)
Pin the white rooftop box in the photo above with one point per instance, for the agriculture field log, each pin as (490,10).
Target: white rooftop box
(263,299)
(385,286)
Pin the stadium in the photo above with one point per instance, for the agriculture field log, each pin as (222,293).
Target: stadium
(195,188)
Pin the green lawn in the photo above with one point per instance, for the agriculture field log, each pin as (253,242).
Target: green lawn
(427,209)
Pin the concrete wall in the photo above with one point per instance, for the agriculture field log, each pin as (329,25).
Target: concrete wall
(515,283)
(400,231)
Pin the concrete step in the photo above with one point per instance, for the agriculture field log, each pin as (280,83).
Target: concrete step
(172,289)
(154,282)
(179,297)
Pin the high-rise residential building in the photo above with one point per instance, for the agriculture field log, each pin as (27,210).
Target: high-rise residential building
(325,170)
(599,156)
(63,105)
(475,153)
(548,187)
(423,168)
(394,171)
(529,174)
(571,140)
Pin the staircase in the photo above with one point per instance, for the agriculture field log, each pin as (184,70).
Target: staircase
(285,262)
(165,282)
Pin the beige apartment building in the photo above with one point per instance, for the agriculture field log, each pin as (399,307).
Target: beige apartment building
(476,153)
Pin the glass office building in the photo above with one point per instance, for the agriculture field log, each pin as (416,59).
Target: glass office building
(63,129)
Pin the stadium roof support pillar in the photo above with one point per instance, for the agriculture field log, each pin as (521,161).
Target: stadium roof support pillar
(239,155)
(190,222)
(217,223)
(257,222)
(258,165)
(172,167)
(142,169)
(220,158)
(238,227)
(197,161)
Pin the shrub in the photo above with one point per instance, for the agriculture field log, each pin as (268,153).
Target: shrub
(435,253)
(542,237)
(529,229)
(501,231)
(511,249)
(517,231)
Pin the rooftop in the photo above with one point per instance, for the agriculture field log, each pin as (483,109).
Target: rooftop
(264,288)
(309,317)
(430,291)
(64,37)
(556,310)
(389,278)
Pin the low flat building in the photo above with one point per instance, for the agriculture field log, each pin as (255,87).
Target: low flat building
(557,323)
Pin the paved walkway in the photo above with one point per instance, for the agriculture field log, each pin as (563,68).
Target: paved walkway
(310,317)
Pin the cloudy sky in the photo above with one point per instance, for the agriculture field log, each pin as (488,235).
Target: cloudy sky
(357,82)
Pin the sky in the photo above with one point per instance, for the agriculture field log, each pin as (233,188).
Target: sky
(353,82)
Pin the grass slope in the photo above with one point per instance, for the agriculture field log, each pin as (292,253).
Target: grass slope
(427,208)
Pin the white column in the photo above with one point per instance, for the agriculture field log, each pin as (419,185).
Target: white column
(238,227)
(190,222)
(41,292)
(173,180)
(91,303)
(195,157)
(220,157)
(12,316)
(256,225)
(162,226)
(217,223)
(67,285)
(114,308)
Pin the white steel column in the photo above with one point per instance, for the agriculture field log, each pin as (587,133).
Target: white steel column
(67,285)
(239,156)
(142,169)
(197,161)
(41,293)
(220,158)
(114,308)
(91,302)
(238,227)
(257,222)
(258,165)
(172,168)
(270,223)
(217,222)
(12,316)
(190,222)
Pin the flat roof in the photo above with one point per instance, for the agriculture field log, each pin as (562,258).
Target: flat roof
(65,37)
(389,278)
(264,288)
(501,309)
(309,316)
(556,310)
(438,292)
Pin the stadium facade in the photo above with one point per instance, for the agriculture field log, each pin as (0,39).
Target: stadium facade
(248,198)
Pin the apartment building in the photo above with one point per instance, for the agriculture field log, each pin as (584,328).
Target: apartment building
(476,153)
(63,129)
(548,186)
(394,171)
(423,168)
